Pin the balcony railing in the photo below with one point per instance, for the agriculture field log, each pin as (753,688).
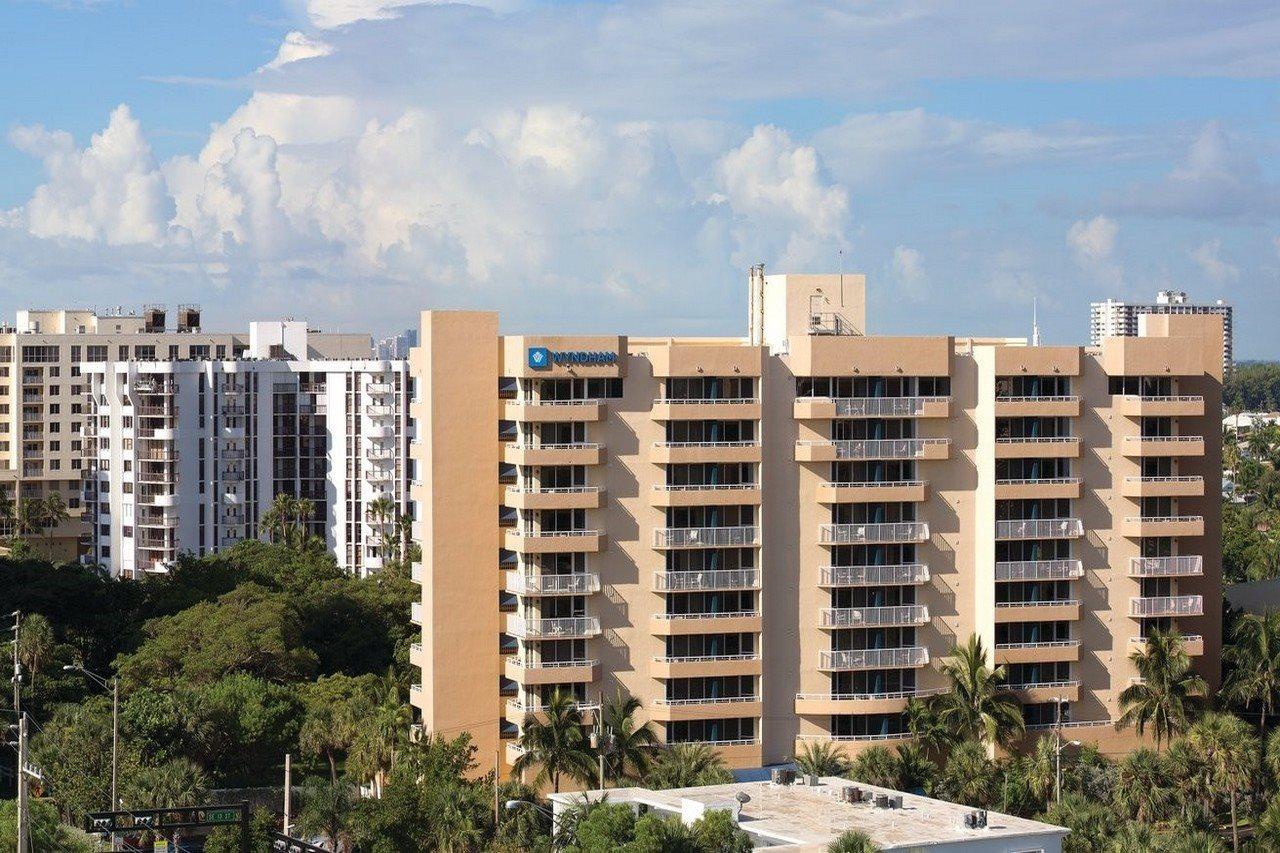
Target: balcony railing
(859,697)
(873,484)
(706,537)
(1042,481)
(698,444)
(705,487)
(573,626)
(1166,567)
(525,663)
(576,584)
(894,531)
(855,659)
(1164,439)
(712,579)
(878,407)
(558,490)
(1037,399)
(1045,602)
(705,658)
(1039,570)
(1184,398)
(1167,605)
(1046,644)
(708,401)
(1163,519)
(878,448)
(1039,528)
(907,573)
(857,617)
(1042,685)
(1164,479)
(1038,439)
(726,614)
(706,700)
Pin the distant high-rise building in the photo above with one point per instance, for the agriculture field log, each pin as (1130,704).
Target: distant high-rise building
(1114,318)
(397,346)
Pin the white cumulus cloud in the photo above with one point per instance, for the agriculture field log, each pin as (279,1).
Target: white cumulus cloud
(1093,240)
(1208,256)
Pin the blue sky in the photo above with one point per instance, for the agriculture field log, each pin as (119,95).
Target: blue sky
(617,166)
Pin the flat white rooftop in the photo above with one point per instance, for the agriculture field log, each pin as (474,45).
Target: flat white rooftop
(802,817)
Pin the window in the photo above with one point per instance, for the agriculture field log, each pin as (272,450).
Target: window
(145,352)
(173,352)
(124,352)
(97,352)
(40,354)
(75,353)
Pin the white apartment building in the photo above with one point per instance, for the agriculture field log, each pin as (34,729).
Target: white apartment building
(1114,318)
(187,456)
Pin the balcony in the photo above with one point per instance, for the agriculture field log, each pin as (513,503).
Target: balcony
(870,617)
(908,573)
(565,497)
(1163,525)
(1162,487)
(527,671)
(415,572)
(1026,447)
(831,450)
(730,622)
(901,491)
(1049,610)
(552,411)
(1134,406)
(1163,445)
(1040,528)
(228,432)
(1038,407)
(669,710)
(518,709)
(1166,605)
(886,533)
(553,541)
(726,494)
(1039,570)
(584,453)
(706,666)
(375,387)
(680,452)
(163,522)
(1048,487)
(1192,644)
(1047,691)
(574,627)
(729,409)
(1188,565)
(826,704)
(860,659)
(826,408)
(415,613)
(1046,652)
(706,537)
(549,585)
(716,579)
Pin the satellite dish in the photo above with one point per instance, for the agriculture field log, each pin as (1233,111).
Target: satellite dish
(742,797)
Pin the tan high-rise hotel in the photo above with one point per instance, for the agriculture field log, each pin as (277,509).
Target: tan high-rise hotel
(773,539)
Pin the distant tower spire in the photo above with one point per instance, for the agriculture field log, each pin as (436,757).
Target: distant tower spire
(1035,324)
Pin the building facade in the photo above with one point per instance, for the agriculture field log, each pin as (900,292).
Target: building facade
(43,408)
(1115,318)
(773,539)
(188,456)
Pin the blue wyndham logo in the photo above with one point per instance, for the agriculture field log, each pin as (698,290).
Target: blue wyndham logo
(539,358)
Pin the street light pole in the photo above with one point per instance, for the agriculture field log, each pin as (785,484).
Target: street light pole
(114,686)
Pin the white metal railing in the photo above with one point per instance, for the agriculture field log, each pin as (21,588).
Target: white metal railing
(524,663)
(1073,724)
(1039,528)
(700,401)
(877,448)
(1046,602)
(1163,519)
(415,612)
(873,658)
(705,487)
(851,738)
(892,531)
(1036,399)
(556,534)
(577,401)
(1039,570)
(877,407)
(572,626)
(1164,438)
(709,700)
(582,445)
(1042,481)
(741,741)
(855,617)
(1046,644)
(1164,479)
(1167,605)
(533,706)
(877,484)
(1186,638)
(1184,398)
(712,579)
(894,694)
(1043,685)
(575,584)
(557,490)
(696,444)
(906,573)
(1163,567)
(725,614)
(1039,439)
(705,658)
(706,537)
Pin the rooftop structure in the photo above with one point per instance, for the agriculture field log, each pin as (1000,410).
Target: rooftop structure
(808,817)
(1114,317)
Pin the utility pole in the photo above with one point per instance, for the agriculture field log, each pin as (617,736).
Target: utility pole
(497,774)
(288,792)
(24,830)
(115,741)
(17,667)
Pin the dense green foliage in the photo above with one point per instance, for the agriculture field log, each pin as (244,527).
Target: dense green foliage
(1253,387)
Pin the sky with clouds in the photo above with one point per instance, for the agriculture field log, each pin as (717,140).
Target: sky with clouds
(617,166)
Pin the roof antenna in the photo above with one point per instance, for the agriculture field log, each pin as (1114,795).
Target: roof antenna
(1035,324)
(840,252)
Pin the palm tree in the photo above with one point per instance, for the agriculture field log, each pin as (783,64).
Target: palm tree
(326,809)
(328,730)
(276,520)
(1253,658)
(1267,828)
(8,515)
(554,741)
(1272,754)
(35,644)
(1163,697)
(1229,750)
(30,515)
(926,727)
(688,765)
(914,768)
(977,706)
(53,513)
(852,841)
(822,759)
(631,747)
(304,510)
(381,510)
(382,732)
(1041,768)
(174,784)
(1142,786)
(969,777)
(875,765)
(1134,838)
